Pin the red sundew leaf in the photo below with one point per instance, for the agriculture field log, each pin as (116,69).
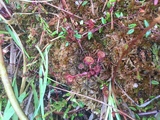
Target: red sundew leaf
(70,35)
(81,66)
(101,55)
(90,24)
(92,72)
(155,2)
(69,78)
(88,60)
(97,69)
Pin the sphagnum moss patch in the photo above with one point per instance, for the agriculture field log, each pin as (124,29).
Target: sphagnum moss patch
(104,57)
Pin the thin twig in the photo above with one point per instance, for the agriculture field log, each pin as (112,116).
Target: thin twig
(148,113)
(36,1)
(64,10)
(12,59)
(112,26)
(92,7)
(29,103)
(104,5)
(46,2)
(111,10)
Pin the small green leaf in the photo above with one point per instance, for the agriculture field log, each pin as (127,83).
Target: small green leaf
(132,25)
(108,5)
(146,23)
(144,118)
(141,100)
(67,95)
(67,44)
(154,82)
(65,115)
(137,116)
(61,34)
(108,16)
(80,114)
(151,97)
(119,14)
(84,3)
(90,35)
(103,20)
(112,0)
(130,31)
(54,33)
(81,22)
(147,33)
(80,104)
(126,46)
(138,76)
(77,35)
(100,30)
(74,100)
(133,108)
(73,116)
(7,1)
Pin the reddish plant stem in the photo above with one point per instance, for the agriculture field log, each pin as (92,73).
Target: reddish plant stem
(64,4)
(130,45)
(64,10)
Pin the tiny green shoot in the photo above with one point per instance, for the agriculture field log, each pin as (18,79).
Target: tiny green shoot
(131,30)
(90,35)
(77,35)
(119,14)
(84,3)
(108,16)
(81,22)
(146,25)
(154,82)
(103,20)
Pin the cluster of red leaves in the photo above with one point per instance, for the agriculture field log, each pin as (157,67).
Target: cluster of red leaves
(90,24)
(70,35)
(92,71)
